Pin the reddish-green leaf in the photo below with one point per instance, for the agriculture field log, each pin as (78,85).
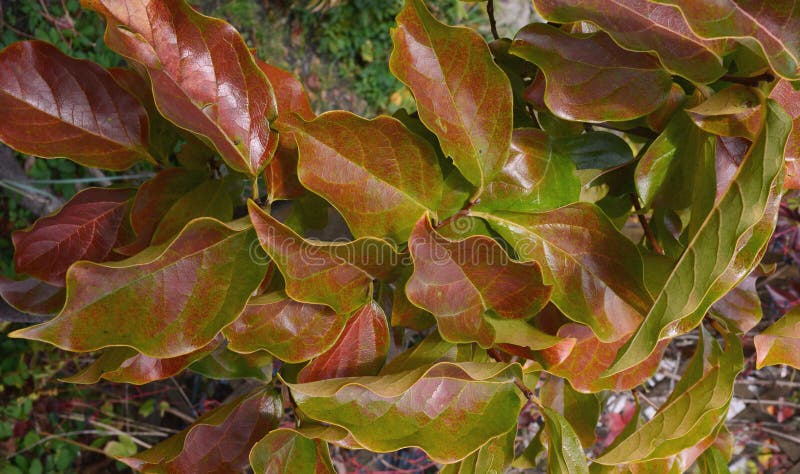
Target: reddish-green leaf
(379,175)
(224,364)
(287,451)
(596,272)
(459,282)
(535,177)
(736,111)
(741,307)
(338,275)
(564,452)
(590,78)
(580,410)
(165,302)
(789,99)
(765,26)
(32,296)
(723,248)
(86,228)
(218,442)
(125,365)
(461,94)
(471,402)
(291,331)
(360,350)
(404,313)
(56,106)
(641,25)
(203,76)
(780,343)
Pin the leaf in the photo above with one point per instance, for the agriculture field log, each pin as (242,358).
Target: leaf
(590,78)
(88,117)
(712,263)
(694,410)
(596,272)
(461,94)
(640,25)
(594,150)
(472,402)
(535,177)
(580,410)
(564,452)
(361,349)
(460,281)
(32,296)
(736,111)
(378,175)
(224,364)
(741,307)
(86,228)
(778,344)
(788,98)
(404,313)
(219,441)
(677,168)
(428,351)
(767,27)
(125,365)
(291,331)
(207,272)
(220,93)
(287,451)
(712,462)
(590,356)
(493,457)
(338,275)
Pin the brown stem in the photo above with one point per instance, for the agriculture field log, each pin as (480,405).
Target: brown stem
(749,81)
(648,232)
(494,354)
(492,22)
(463,212)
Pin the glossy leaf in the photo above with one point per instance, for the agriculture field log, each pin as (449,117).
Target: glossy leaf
(580,410)
(86,228)
(404,313)
(361,349)
(291,331)
(217,442)
(596,272)
(594,150)
(590,78)
(460,281)
(461,94)
(493,457)
(641,25)
(693,411)
(32,296)
(378,175)
(736,111)
(710,259)
(741,306)
(224,364)
(767,27)
(788,98)
(88,117)
(535,177)
(207,271)
(125,365)
(564,451)
(471,402)
(220,94)
(338,275)
(778,344)
(287,451)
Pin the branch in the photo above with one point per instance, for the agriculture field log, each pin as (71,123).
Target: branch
(521,386)
(648,232)
(492,22)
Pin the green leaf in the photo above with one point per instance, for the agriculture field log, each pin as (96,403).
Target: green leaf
(536,176)
(207,270)
(219,441)
(694,410)
(287,451)
(218,92)
(460,282)
(291,331)
(640,25)
(564,452)
(712,462)
(494,457)
(87,116)
(590,78)
(594,150)
(378,175)
(724,248)
(580,410)
(472,402)
(224,364)
(596,272)
(338,275)
(461,94)
(778,344)
(736,111)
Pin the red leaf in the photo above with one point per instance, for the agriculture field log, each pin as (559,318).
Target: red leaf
(86,228)
(789,99)
(32,296)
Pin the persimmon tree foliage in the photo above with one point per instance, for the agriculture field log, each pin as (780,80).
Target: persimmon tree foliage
(488,264)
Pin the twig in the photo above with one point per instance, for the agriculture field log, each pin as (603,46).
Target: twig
(749,81)
(780,434)
(117,431)
(492,22)
(779,403)
(185,398)
(463,212)
(521,386)
(648,232)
